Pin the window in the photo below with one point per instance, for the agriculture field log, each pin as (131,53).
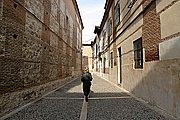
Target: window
(67,23)
(104,37)
(111,59)
(109,27)
(96,50)
(138,53)
(131,3)
(117,15)
(104,71)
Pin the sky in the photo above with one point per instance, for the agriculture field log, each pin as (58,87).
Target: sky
(91,13)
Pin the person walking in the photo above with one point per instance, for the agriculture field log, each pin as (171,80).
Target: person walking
(86,78)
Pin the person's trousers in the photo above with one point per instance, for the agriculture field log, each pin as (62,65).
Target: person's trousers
(86,88)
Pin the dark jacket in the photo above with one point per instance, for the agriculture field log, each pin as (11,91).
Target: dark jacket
(86,77)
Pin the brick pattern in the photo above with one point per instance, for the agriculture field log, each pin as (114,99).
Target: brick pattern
(33,49)
(151,31)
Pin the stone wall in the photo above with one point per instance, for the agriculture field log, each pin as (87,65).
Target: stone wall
(35,55)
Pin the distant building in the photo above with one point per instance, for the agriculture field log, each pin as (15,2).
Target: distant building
(137,46)
(87,57)
(40,48)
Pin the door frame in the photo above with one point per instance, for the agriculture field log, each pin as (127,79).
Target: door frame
(119,65)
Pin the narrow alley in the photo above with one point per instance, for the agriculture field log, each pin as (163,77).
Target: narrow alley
(106,102)
(130,46)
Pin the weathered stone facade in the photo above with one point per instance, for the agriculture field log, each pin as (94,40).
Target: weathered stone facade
(39,40)
(87,56)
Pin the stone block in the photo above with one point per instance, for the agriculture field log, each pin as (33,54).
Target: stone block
(45,53)
(33,27)
(2,28)
(64,47)
(45,34)
(13,40)
(59,69)
(54,25)
(45,72)
(30,73)
(54,40)
(53,56)
(32,49)
(47,12)
(62,6)
(60,44)
(2,44)
(2,38)
(53,72)
(12,10)
(1,9)
(62,17)
(10,74)
(35,7)
(64,35)
(54,8)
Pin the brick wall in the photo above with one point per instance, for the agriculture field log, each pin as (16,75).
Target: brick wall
(151,31)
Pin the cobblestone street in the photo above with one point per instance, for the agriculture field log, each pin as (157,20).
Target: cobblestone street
(106,102)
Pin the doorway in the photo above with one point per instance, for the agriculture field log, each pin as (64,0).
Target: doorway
(119,66)
(104,70)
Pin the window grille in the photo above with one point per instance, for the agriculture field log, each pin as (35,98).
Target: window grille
(138,53)
(117,15)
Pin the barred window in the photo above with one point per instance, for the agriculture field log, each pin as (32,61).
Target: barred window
(138,53)
(109,27)
(104,37)
(131,3)
(117,15)
(67,23)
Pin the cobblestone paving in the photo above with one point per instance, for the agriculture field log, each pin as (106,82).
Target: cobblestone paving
(106,102)
(50,110)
